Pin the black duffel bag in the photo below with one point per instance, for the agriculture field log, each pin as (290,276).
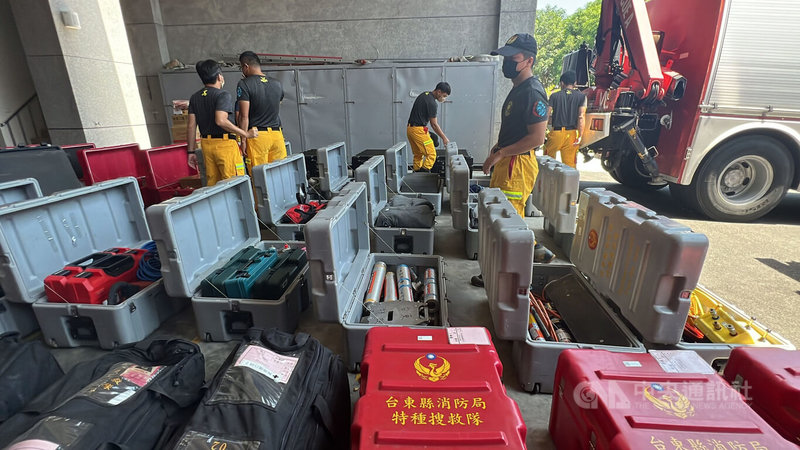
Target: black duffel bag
(131,398)
(26,369)
(406,212)
(275,391)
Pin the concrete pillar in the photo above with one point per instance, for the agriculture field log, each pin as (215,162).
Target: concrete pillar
(84,77)
(516,16)
(149,52)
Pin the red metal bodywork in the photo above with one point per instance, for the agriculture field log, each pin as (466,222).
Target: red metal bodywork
(691,34)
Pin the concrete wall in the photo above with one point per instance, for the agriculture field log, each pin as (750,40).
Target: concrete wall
(17,86)
(367,29)
(84,77)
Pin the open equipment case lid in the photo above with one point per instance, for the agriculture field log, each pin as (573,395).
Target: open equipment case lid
(337,239)
(277,185)
(42,235)
(194,233)
(647,264)
(19,190)
(396,166)
(451,150)
(332,165)
(505,254)
(373,173)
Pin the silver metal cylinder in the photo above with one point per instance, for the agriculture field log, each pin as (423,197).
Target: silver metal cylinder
(429,293)
(376,282)
(404,291)
(389,288)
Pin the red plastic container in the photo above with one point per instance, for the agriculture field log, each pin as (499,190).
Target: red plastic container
(419,390)
(78,283)
(165,167)
(769,379)
(108,163)
(619,401)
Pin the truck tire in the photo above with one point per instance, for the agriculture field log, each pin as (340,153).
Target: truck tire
(631,173)
(743,179)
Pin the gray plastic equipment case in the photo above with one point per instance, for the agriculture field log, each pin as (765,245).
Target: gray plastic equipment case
(17,317)
(390,239)
(555,194)
(197,235)
(277,185)
(505,256)
(40,236)
(332,168)
(461,201)
(451,150)
(642,264)
(417,184)
(341,265)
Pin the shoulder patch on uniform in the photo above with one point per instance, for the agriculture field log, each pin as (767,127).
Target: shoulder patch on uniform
(264,80)
(238,91)
(540,109)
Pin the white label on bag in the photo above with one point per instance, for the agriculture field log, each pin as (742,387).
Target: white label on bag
(681,361)
(468,335)
(34,444)
(424,338)
(268,363)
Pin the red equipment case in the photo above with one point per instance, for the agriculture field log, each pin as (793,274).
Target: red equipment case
(418,389)
(769,379)
(165,167)
(610,400)
(107,163)
(92,283)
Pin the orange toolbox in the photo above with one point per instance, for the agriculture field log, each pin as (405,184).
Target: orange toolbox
(434,387)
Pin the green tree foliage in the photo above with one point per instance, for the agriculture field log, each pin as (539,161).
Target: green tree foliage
(558,34)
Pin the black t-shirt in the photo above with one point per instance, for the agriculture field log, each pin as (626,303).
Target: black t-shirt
(525,105)
(424,109)
(565,104)
(205,103)
(265,95)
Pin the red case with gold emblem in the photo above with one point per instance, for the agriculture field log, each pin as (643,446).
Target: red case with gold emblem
(769,379)
(434,387)
(665,400)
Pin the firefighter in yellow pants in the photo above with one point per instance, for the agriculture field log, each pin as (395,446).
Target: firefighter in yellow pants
(515,176)
(210,109)
(566,114)
(422,148)
(424,111)
(268,147)
(522,129)
(259,98)
(565,141)
(222,158)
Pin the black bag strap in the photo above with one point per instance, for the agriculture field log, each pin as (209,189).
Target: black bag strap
(282,341)
(322,412)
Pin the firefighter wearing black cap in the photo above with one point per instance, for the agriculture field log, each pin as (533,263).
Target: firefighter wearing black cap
(522,129)
(210,108)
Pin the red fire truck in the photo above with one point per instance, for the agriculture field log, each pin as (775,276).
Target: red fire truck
(700,95)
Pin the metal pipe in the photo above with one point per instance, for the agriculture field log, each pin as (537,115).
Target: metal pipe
(390,288)
(376,282)
(404,291)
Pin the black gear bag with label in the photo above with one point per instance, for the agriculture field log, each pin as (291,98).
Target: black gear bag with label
(131,398)
(275,391)
(26,369)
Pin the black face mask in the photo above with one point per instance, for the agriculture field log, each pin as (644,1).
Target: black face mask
(510,68)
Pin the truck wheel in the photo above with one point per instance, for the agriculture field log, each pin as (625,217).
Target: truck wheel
(631,173)
(744,179)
